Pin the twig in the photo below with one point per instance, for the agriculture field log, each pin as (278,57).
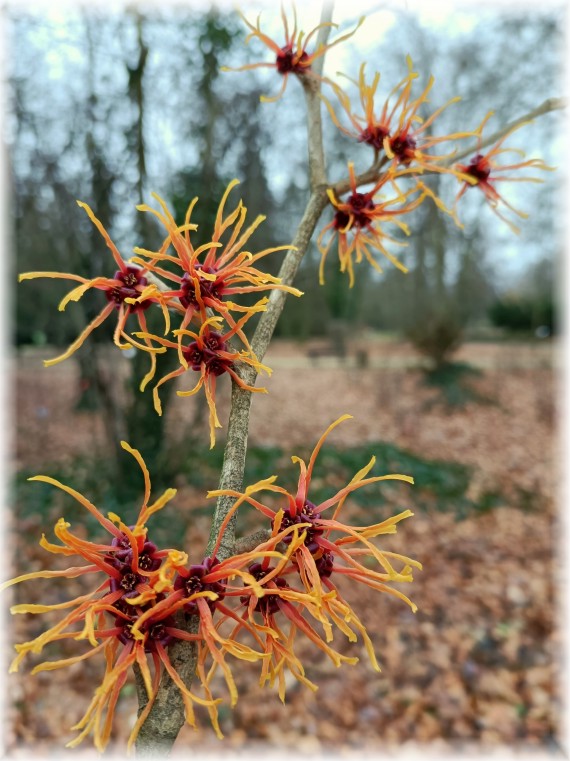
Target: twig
(250,542)
(370,175)
(551,104)
(323,34)
(238,426)
(166,717)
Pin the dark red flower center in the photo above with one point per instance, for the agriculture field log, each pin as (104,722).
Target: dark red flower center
(124,606)
(325,564)
(195,582)
(341,220)
(126,630)
(129,581)
(288,61)
(130,277)
(309,515)
(374,136)
(208,354)
(156,632)
(147,563)
(122,558)
(478,168)
(210,290)
(360,205)
(267,604)
(403,147)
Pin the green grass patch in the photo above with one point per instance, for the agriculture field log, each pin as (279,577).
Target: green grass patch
(439,485)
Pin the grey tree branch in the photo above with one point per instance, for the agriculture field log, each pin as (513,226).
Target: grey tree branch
(551,104)
(250,542)
(323,34)
(238,426)
(166,716)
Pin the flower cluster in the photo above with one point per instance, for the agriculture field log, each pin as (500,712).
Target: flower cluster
(401,140)
(320,547)
(400,130)
(202,289)
(280,590)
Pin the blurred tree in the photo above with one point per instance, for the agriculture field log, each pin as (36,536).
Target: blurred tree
(89,135)
(84,126)
(530,303)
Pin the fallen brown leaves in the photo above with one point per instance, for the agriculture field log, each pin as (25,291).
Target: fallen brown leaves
(477,664)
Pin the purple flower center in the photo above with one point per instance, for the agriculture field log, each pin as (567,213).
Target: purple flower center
(209,289)
(285,63)
(131,277)
(374,136)
(122,559)
(267,604)
(360,204)
(156,632)
(478,168)
(403,147)
(208,354)
(310,515)
(325,564)
(195,583)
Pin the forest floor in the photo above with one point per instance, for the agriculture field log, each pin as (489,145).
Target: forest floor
(475,668)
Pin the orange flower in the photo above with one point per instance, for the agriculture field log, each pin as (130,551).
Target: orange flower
(269,595)
(398,129)
(212,579)
(356,225)
(292,57)
(129,594)
(372,128)
(226,269)
(483,168)
(210,355)
(316,554)
(127,292)
(407,143)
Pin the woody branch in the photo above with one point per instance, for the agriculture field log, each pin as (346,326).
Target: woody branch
(166,718)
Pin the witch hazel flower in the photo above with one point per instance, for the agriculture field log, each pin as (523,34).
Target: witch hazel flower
(215,272)
(128,292)
(275,611)
(408,141)
(293,56)
(484,171)
(328,546)
(373,125)
(205,590)
(121,618)
(396,130)
(210,355)
(356,229)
